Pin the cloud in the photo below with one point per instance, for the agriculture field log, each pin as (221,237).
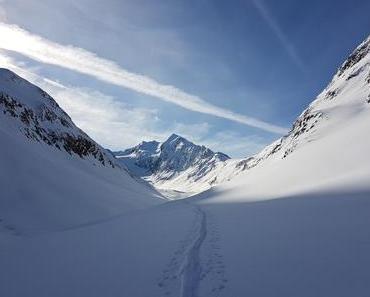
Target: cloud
(110,122)
(118,126)
(275,27)
(15,39)
(3,17)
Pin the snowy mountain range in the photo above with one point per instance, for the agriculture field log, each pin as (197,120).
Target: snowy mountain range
(292,220)
(178,165)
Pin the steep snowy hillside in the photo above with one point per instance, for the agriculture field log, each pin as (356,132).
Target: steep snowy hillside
(297,224)
(346,96)
(52,174)
(327,143)
(40,118)
(174,166)
(345,99)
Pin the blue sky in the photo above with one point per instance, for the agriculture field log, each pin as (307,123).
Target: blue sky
(265,60)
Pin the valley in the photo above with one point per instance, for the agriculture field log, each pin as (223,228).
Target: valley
(292,220)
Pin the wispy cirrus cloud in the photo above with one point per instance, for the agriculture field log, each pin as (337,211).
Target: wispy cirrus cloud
(110,122)
(118,126)
(13,38)
(275,27)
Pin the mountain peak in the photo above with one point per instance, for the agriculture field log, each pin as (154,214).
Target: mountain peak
(173,136)
(149,145)
(176,142)
(182,145)
(175,158)
(356,56)
(176,138)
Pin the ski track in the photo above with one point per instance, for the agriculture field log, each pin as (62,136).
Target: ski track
(197,261)
(191,270)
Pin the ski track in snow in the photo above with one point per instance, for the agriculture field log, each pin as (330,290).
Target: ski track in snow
(191,270)
(197,261)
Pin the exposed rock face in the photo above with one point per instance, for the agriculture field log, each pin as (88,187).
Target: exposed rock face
(40,118)
(170,158)
(175,158)
(353,76)
(358,54)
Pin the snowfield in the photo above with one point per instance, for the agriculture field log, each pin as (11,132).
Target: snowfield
(293,221)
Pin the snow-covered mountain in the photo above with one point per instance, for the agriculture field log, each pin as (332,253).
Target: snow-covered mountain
(52,174)
(329,135)
(346,96)
(342,102)
(295,221)
(180,166)
(176,164)
(40,118)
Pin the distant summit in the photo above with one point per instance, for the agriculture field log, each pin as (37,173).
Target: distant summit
(176,158)
(178,164)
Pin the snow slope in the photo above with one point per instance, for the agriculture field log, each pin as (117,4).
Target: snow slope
(52,174)
(329,139)
(297,224)
(345,98)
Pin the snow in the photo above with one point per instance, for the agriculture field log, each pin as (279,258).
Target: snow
(313,244)
(46,188)
(43,188)
(298,225)
(124,256)
(25,92)
(174,166)
(292,221)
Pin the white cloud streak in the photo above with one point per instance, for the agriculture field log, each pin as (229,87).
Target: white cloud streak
(110,122)
(288,46)
(118,126)
(15,39)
